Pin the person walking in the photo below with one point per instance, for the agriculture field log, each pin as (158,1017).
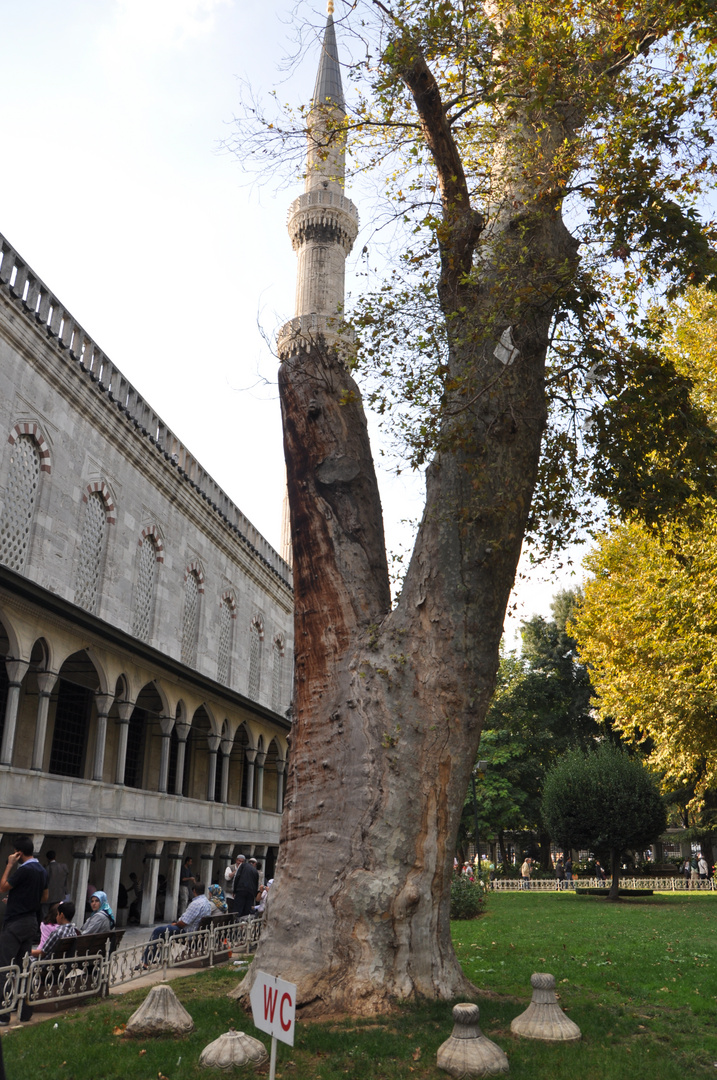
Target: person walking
(525,873)
(25,881)
(568,870)
(702,868)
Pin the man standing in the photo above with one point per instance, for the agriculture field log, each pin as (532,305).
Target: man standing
(186,881)
(229,875)
(246,886)
(525,873)
(25,880)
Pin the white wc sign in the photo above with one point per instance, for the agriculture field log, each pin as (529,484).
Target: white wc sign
(273,1006)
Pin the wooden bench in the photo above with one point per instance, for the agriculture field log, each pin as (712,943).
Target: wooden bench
(73,951)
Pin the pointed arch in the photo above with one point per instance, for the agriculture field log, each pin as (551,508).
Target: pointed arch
(99,514)
(227,619)
(150,555)
(193,591)
(277,673)
(21,491)
(256,640)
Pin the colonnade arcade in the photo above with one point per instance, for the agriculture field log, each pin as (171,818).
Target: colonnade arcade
(71,713)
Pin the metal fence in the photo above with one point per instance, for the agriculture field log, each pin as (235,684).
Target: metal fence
(666,884)
(73,978)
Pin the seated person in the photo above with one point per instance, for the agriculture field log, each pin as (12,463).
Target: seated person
(48,924)
(190,920)
(65,928)
(102,917)
(216,899)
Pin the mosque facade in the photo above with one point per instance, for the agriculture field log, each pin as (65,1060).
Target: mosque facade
(146,626)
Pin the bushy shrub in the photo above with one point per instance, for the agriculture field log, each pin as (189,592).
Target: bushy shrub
(468,898)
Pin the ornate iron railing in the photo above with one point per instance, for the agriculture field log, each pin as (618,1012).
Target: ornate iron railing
(66,979)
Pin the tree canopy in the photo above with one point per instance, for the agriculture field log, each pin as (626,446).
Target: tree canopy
(540,709)
(603,799)
(647,623)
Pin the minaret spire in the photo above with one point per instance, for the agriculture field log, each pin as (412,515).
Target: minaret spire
(323,222)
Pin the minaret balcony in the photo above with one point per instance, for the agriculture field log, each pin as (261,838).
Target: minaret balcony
(323,217)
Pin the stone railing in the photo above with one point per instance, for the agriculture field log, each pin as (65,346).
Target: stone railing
(69,979)
(666,884)
(43,308)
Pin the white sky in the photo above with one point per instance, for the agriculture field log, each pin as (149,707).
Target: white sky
(114,191)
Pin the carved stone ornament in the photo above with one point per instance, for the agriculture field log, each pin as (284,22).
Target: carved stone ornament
(544,1019)
(234,1050)
(161,1013)
(467,1052)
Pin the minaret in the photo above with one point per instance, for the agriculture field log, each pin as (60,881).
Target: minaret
(322,222)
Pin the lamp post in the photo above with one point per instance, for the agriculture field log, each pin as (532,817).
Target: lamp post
(480,768)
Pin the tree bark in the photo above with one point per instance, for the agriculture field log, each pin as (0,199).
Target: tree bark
(389,704)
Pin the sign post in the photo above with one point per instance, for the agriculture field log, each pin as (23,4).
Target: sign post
(273,1006)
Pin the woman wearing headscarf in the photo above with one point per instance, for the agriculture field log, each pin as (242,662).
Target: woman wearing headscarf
(102,918)
(216,899)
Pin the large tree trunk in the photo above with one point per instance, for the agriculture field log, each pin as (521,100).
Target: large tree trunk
(389,704)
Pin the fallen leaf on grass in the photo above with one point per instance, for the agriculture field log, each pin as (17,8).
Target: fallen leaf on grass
(142,1052)
(119,1030)
(417,1054)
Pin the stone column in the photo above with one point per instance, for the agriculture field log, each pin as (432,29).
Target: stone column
(84,846)
(260,759)
(171,898)
(280,766)
(149,882)
(206,862)
(16,670)
(182,729)
(113,869)
(166,723)
(213,742)
(45,683)
(124,711)
(260,851)
(104,703)
(226,749)
(250,758)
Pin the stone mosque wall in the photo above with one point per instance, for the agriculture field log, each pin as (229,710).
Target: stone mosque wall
(147,626)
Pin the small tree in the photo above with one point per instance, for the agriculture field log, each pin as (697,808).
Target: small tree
(603,799)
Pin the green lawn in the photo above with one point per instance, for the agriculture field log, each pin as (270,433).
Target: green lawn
(638,978)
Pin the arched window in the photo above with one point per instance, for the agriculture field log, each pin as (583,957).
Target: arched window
(92,547)
(20,495)
(190,620)
(277,678)
(256,637)
(227,614)
(144,588)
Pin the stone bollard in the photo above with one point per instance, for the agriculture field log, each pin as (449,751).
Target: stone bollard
(467,1052)
(544,1019)
(233,1050)
(161,1013)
